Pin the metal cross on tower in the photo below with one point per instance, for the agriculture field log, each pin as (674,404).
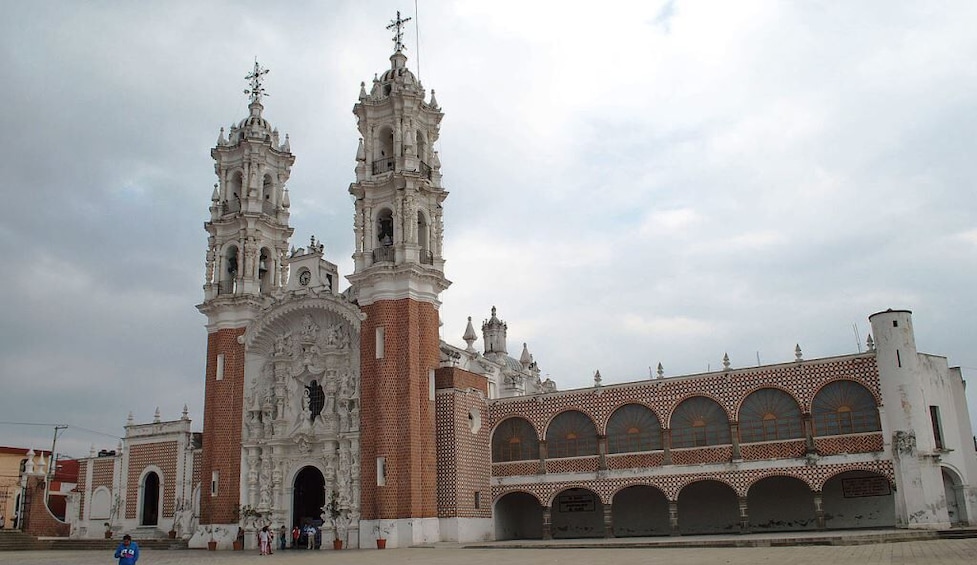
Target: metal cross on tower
(256,91)
(399,34)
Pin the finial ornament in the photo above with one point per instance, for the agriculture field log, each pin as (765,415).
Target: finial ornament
(597,378)
(661,370)
(256,91)
(398,24)
(798,354)
(725,361)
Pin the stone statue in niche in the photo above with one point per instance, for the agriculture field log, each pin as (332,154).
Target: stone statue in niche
(310,330)
(282,344)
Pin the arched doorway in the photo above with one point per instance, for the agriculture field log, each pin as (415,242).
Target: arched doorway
(518,515)
(640,510)
(150,499)
(781,504)
(308,496)
(956,506)
(708,507)
(858,499)
(577,513)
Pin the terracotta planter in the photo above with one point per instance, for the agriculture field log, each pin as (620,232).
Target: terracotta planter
(172,534)
(381,543)
(337,544)
(108,535)
(212,545)
(238,545)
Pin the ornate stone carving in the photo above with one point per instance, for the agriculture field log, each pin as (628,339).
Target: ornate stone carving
(904,442)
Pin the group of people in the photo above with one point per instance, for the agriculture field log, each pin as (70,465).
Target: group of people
(128,551)
(309,535)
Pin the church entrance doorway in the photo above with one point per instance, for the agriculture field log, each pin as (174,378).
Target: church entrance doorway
(308,497)
(150,500)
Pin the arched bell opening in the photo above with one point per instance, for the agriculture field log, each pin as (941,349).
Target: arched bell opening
(265,270)
(229,271)
(424,239)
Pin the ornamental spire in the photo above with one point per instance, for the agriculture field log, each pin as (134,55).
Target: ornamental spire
(398,24)
(257,90)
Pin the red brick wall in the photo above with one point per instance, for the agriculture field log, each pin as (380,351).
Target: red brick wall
(40,521)
(163,455)
(397,417)
(453,377)
(464,458)
(223,402)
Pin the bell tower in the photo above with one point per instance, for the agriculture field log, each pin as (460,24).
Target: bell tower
(247,263)
(397,278)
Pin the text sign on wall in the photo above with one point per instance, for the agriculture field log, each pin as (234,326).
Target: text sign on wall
(865,486)
(576,503)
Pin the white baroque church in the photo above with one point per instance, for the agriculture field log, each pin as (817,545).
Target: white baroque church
(344,408)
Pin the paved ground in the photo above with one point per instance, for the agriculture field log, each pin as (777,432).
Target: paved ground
(940,552)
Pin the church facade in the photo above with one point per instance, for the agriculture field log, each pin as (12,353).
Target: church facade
(344,408)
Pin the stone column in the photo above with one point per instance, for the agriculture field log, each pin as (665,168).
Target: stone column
(542,457)
(667,447)
(602,452)
(734,435)
(819,510)
(673,517)
(744,516)
(608,521)
(547,524)
(808,424)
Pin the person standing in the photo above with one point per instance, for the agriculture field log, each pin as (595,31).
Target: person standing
(282,536)
(128,551)
(295,537)
(264,543)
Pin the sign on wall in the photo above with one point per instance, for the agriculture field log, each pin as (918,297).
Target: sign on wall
(575,503)
(865,486)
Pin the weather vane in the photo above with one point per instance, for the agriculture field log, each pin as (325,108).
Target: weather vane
(399,34)
(256,91)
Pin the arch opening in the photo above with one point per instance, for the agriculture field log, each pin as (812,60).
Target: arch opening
(858,499)
(518,515)
(577,513)
(708,507)
(781,504)
(150,500)
(308,497)
(640,510)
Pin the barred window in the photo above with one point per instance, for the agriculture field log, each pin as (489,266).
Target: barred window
(698,422)
(770,414)
(844,407)
(571,434)
(514,440)
(633,427)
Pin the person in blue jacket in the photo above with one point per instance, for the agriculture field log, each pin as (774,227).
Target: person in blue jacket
(128,551)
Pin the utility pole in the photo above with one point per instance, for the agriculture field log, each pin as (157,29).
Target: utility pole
(52,462)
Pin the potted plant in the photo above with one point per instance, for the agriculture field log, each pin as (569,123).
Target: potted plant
(238,543)
(381,534)
(108,530)
(212,544)
(337,517)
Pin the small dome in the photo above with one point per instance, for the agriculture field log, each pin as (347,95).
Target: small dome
(255,125)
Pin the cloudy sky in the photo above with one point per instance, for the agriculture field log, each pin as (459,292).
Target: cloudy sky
(631,183)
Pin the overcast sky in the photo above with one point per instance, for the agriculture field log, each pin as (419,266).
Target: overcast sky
(630,183)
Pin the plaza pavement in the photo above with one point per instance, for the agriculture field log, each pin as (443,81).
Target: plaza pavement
(930,552)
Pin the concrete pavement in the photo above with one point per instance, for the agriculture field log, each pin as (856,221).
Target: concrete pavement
(930,552)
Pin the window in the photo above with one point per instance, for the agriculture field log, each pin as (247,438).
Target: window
(514,439)
(698,422)
(478,500)
(937,427)
(379,342)
(844,407)
(220,366)
(214,480)
(571,434)
(770,414)
(633,427)
(381,471)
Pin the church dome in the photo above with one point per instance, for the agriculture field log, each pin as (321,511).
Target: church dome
(255,126)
